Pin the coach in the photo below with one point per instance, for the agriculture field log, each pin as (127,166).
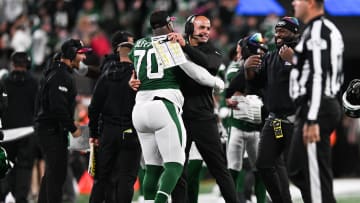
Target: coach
(199,118)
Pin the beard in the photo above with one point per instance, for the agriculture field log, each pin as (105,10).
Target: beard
(288,41)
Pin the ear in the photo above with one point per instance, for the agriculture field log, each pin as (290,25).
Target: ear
(312,4)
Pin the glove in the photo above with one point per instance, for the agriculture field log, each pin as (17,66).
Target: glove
(219,84)
(82,70)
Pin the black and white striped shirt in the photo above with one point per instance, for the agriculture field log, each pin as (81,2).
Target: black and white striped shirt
(318,71)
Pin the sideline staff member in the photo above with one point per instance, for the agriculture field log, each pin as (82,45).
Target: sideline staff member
(21,87)
(119,153)
(55,118)
(314,85)
(273,78)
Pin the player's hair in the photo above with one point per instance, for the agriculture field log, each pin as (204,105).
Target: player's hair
(319,3)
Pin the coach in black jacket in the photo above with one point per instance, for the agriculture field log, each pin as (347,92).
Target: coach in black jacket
(55,118)
(198,110)
(273,76)
(119,151)
(21,89)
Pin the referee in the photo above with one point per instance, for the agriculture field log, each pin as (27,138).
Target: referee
(314,85)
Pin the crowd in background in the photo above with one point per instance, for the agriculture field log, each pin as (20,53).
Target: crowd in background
(39,27)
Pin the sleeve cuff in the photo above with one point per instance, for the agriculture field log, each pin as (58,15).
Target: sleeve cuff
(186,48)
(311,122)
(72,128)
(94,136)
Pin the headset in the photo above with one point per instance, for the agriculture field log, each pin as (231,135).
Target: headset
(21,59)
(189,25)
(70,53)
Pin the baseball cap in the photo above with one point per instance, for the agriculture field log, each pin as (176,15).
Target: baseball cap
(289,23)
(120,38)
(159,19)
(71,45)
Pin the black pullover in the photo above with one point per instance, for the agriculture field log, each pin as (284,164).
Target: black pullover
(113,99)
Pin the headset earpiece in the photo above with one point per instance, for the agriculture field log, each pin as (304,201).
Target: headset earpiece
(189,25)
(71,53)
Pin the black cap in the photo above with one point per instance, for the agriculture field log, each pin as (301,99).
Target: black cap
(121,38)
(72,46)
(289,23)
(160,19)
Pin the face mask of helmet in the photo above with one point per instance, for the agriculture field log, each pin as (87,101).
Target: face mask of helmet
(351,99)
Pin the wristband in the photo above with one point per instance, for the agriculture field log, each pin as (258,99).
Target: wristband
(311,122)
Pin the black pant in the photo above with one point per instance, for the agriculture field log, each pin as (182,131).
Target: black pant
(21,153)
(300,167)
(206,136)
(53,142)
(118,161)
(270,162)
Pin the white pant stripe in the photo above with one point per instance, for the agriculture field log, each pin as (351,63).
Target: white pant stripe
(314,174)
(164,193)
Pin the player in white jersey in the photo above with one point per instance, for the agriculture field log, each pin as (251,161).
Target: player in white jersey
(157,112)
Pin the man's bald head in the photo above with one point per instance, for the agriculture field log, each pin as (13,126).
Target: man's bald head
(198,29)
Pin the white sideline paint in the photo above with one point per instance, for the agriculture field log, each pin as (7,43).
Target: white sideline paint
(342,188)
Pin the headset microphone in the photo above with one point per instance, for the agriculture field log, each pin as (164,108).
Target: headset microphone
(199,35)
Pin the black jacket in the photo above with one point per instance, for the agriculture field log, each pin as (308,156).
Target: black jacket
(274,77)
(239,84)
(3,98)
(21,88)
(113,99)
(56,98)
(199,103)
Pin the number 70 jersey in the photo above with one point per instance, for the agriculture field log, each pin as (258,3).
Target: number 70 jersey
(151,75)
